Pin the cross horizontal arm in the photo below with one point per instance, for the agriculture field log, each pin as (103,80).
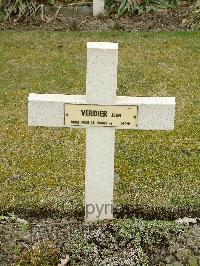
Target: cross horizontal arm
(154,113)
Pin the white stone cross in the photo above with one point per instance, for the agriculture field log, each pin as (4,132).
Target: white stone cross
(94,112)
(98,7)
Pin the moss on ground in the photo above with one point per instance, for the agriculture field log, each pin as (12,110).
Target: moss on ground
(43,169)
(118,242)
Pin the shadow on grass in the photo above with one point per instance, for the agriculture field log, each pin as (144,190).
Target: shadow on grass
(120,212)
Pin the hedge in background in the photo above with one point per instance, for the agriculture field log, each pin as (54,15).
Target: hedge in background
(140,6)
(196,15)
(21,8)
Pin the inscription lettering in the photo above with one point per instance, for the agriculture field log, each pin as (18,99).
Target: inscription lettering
(94,113)
(82,115)
(74,122)
(116,115)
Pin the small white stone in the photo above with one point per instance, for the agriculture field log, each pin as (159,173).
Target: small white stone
(64,261)
(186,221)
(21,221)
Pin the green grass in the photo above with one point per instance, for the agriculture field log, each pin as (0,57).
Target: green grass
(43,168)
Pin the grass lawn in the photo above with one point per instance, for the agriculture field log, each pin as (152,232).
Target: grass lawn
(42,169)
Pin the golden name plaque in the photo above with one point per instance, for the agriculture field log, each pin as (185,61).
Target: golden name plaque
(87,115)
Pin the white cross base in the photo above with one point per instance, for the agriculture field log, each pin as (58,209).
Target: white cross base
(154,113)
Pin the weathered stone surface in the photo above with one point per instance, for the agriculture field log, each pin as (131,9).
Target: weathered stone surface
(72,11)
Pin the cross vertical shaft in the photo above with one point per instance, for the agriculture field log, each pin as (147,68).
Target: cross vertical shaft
(101,85)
